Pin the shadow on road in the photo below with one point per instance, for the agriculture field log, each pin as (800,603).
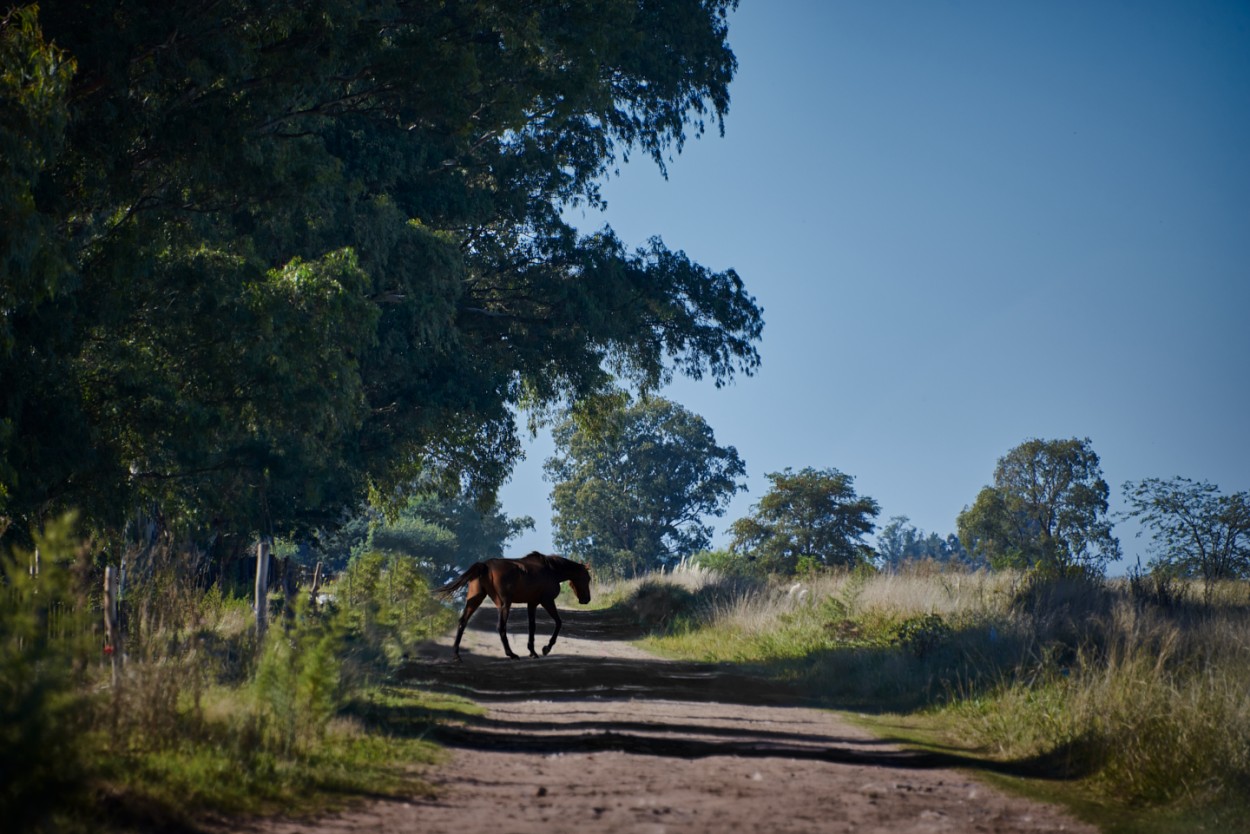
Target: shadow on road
(566,724)
(490,677)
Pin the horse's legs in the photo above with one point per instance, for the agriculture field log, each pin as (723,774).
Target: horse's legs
(504,608)
(550,606)
(470,606)
(532,608)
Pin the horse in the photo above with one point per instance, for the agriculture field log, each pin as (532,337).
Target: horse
(534,580)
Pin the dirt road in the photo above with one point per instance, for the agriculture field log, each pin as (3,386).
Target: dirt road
(602,737)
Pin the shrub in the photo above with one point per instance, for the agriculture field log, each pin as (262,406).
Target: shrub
(389,608)
(298,682)
(45,642)
(921,635)
(658,604)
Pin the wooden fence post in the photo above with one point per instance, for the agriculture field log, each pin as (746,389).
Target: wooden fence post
(112,625)
(262,588)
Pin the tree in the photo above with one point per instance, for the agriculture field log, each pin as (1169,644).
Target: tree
(262,260)
(440,533)
(631,488)
(812,517)
(1047,510)
(1197,531)
(900,542)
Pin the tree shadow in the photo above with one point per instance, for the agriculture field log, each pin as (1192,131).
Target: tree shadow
(560,680)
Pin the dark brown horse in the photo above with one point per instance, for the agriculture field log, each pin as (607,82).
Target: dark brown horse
(534,580)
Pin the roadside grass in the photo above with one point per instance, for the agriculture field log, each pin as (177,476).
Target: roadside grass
(1134,701)
(205,720)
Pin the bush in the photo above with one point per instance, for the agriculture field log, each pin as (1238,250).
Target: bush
(298,682)
(921,635)
(45,642)
(1157,588)
(389,608)
(657,605)
(728,563)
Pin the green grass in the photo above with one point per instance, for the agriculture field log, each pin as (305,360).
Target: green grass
(1122,707)
(205,719)
(942,732)
(374,747)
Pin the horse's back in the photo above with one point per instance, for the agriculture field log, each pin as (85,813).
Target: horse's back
(527,579)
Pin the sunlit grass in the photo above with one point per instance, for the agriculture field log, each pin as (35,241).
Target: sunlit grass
(1145,706)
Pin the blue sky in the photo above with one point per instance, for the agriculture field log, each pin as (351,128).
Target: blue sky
(969,224)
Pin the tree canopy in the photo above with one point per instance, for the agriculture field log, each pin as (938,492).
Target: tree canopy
(443,535)
(900,542)
(1047,509)
(808,518)
(259,260)
(1197,530)
(631,488)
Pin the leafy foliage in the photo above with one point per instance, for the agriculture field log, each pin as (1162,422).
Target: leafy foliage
(920,635)
(439,533)
(900,542)
(42,639)
(298,682)
(261,260)
(1197,530)
(631,489)
(1047,510)
(812,517)
(390,608)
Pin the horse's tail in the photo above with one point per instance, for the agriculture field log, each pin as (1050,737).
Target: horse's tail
(475,570)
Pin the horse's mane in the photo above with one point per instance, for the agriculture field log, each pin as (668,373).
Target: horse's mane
(553,560)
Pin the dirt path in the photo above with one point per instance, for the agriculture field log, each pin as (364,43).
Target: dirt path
(602,737)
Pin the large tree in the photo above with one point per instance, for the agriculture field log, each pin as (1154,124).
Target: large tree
(1047,509)
(1197,530)
(631,489)
(811,517)
(260,259)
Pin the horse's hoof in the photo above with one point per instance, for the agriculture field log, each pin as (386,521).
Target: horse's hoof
(546,650)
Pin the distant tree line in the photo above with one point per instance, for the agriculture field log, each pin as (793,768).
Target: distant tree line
(633,485)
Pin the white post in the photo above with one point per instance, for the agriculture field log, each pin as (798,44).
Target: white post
(112,626)
(316,586)
(262,588)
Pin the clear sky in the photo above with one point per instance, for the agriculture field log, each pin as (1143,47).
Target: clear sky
(969,224)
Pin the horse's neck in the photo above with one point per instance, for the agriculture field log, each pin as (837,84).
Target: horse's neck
(561,567)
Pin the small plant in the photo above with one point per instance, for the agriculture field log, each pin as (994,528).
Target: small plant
(1157,588)
(298,681)
(44,638)
(921,635)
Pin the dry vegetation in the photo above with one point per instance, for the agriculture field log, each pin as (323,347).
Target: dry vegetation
(203,717)
(1135,688)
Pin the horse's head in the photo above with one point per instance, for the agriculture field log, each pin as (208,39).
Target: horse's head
(579,578)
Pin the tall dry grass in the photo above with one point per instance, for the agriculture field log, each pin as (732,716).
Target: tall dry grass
(1142,691)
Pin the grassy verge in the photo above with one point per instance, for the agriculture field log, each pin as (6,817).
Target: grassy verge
(203,719)
(1130,707)
(374,747)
